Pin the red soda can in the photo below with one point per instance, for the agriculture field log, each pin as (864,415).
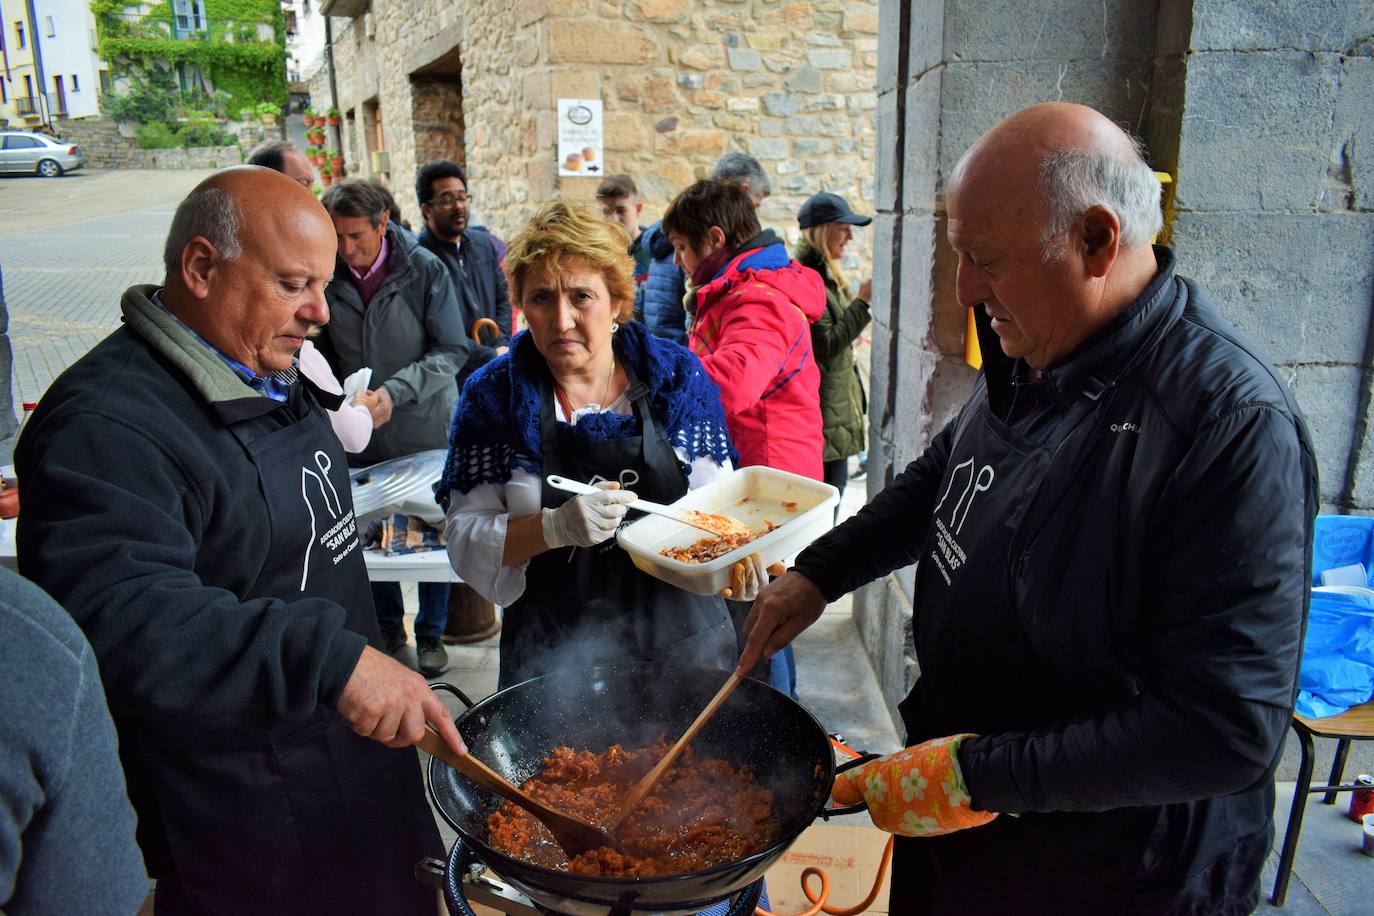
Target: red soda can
(1362,799)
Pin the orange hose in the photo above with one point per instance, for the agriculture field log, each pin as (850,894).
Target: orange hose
(818,901)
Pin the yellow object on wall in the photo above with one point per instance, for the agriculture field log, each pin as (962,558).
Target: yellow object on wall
(974,356)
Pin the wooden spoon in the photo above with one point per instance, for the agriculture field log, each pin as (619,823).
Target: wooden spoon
(646,785)
(574,835)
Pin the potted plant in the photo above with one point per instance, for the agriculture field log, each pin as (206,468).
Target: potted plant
(316,136)
(333,116)
(326,175)
(309,115)
(317,155)
(336,161)
(268,112)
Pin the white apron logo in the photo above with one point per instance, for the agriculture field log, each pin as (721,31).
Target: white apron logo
(342,529)
(949,556)
(628,477)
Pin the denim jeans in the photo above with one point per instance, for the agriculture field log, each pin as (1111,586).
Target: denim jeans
(433,607)
(782,672)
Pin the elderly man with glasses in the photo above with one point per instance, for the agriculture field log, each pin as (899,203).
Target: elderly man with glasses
(469,253)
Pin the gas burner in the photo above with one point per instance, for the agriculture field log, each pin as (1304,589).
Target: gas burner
(465,881)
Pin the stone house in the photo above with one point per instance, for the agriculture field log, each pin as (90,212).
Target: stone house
(681,81)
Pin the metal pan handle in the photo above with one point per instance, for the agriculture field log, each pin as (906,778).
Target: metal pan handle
(445,687)
(828,813)
(429,871)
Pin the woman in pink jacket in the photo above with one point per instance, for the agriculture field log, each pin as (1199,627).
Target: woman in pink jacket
(752,310)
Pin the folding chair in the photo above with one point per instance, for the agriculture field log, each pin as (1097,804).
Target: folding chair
(1355,724)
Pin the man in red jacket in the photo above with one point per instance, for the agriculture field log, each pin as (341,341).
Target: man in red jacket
(752,310)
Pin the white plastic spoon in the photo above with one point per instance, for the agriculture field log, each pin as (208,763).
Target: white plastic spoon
(704,522)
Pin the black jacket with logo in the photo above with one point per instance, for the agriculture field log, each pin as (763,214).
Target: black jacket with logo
(1160,577)
(150,521)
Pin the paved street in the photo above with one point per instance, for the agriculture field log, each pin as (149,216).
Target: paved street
(69,247)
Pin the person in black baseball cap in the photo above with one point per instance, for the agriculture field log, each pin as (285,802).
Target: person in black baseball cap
(829,208)
(826,224)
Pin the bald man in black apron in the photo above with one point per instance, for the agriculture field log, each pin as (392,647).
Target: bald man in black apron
(186,500)
(1112,543)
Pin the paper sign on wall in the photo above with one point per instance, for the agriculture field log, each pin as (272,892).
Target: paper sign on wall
(580,138)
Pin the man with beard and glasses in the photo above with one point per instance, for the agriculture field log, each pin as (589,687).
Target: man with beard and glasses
(469,253)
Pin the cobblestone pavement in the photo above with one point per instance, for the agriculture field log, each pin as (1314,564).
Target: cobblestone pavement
(69,248)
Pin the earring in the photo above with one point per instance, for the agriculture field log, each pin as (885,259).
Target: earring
(615,326)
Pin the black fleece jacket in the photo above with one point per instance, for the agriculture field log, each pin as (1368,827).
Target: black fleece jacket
(130,474)
(1160,574)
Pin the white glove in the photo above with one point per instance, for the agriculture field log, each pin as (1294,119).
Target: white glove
(746,578)
(585,521)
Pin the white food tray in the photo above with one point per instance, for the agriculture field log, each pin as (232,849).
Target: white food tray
(753,495)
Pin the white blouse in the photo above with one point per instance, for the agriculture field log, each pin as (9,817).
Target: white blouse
(477,519)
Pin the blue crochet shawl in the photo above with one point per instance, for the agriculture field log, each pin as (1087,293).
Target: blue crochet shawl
(496,425)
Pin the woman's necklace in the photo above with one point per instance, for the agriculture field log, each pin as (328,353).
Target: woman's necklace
(566,402)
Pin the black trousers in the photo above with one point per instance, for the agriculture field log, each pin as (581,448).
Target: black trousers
(837,475)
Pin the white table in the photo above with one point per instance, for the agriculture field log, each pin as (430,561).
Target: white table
(429,566)
(7,545)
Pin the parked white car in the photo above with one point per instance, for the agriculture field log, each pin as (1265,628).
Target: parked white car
(29,153)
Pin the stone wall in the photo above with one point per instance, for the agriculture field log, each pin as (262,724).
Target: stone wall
(197,157)
(1274,134)
(1262,114)
(101,141)
(106,147)
(682,81)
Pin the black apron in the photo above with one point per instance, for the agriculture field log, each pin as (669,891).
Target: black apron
(981,672)
(585,606)
(311,817)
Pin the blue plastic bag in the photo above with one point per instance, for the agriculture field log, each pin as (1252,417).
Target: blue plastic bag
(1338,654)
(1342,540)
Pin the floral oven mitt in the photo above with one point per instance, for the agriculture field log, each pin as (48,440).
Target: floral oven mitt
(918,791)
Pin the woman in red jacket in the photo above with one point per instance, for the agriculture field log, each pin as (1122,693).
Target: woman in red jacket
(752,310)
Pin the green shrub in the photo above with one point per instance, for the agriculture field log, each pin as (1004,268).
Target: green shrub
(152,96)
(157,135)
(202,128)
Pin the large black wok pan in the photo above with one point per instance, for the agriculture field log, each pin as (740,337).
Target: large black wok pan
(631,704)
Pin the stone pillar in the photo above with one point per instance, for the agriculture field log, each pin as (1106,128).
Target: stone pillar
(1257,110)
(1270,215)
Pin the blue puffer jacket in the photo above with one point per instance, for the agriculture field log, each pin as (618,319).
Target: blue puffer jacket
(658,300)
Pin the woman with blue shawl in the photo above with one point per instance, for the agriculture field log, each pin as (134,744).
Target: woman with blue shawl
(586,393)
